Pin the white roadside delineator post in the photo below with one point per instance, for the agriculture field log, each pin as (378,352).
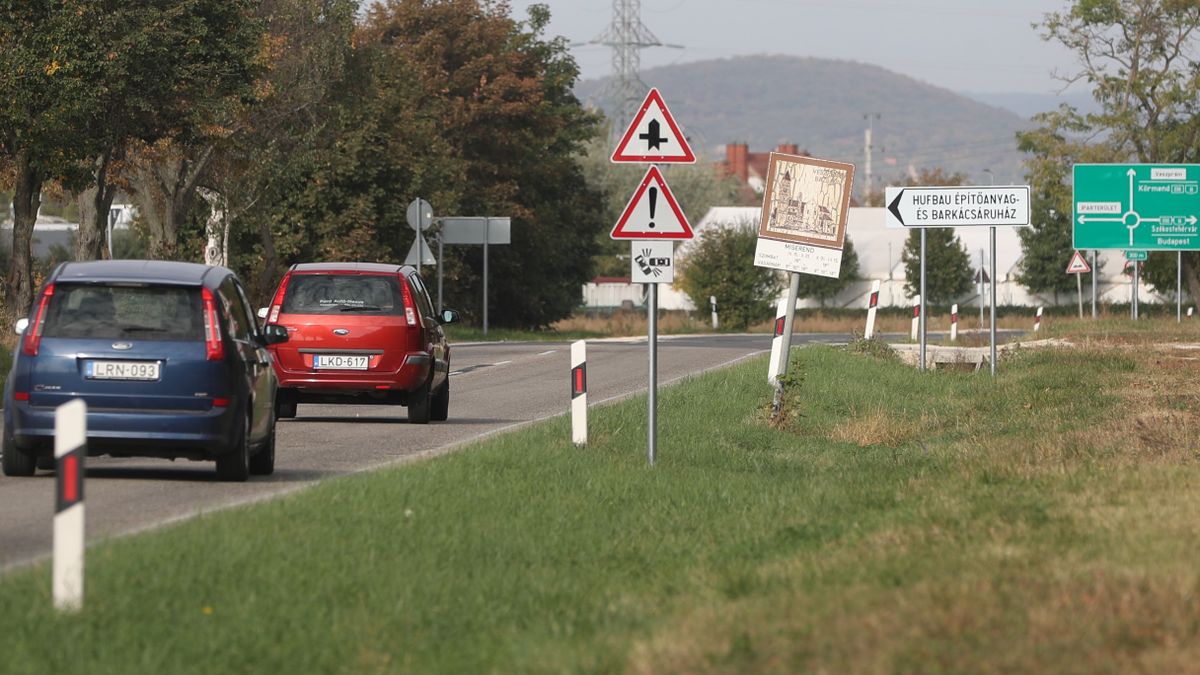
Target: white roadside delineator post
(579,392)
(777,340)
(713,300)
(872,306)
(1037,320)
(1190,309)
(70,450)
(954,323)
(916,322)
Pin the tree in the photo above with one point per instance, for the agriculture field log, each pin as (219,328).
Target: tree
(45,56)
(1139,58)
(822,289)
(947,265)
(181,74)
(721,264)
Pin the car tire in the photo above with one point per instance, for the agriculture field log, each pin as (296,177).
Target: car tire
(46,463)
(420,404)
(233,466)
(441,403)
(15,461)
(262,463)
(285,404)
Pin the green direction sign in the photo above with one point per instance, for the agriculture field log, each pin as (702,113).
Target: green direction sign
(1137,206)
(1137,255)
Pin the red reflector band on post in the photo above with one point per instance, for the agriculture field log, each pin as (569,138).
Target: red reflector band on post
(69,481)
(579,380)
(916,311)
(779,326)
(953,318)
(875,299)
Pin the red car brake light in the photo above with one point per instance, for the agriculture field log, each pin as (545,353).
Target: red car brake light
(410,307)
(214,346)
(33,332)
(277,301)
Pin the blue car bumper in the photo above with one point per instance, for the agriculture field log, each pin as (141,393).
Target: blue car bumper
(141,433)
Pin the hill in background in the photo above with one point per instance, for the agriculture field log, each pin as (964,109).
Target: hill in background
(820,105)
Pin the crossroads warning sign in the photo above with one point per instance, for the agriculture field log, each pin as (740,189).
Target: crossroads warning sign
(653,136)
(652,212)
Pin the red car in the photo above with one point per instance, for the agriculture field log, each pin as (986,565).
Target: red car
(360,333)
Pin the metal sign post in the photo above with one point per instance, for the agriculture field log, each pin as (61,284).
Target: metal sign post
(1179,287)
(922,310)
(475,230)
(992,353)
(652,225)
(1095,272)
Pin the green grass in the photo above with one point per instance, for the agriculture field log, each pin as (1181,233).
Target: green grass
(899,522)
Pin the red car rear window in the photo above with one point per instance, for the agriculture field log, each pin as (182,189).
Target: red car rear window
(342,294)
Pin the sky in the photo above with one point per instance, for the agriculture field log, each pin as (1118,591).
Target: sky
(967,46)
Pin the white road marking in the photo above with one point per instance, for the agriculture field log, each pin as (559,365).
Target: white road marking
(551,351)
(502,363)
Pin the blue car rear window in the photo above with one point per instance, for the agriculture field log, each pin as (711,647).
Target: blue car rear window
(343,294)
(115,312)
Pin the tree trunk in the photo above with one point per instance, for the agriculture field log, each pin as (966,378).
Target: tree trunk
(1190,277)
(27,199)
(216,228)
(266,276)
(164,187)
(94,205)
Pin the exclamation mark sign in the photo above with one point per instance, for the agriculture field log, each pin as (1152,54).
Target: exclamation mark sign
(653,204)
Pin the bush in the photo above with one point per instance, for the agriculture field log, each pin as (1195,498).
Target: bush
(721,264)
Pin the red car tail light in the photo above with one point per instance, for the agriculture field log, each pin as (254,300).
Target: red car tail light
(215,348)
(410,307)
(277,301)
(33,333)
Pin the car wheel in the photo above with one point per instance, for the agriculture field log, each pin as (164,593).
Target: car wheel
(420,403)
(262,463)
(233,466)
(285,404)
(441,403)
(15,461)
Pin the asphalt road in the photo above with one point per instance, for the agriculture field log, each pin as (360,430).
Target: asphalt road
(494,387)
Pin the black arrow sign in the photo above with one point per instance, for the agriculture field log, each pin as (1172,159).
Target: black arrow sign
(894,207)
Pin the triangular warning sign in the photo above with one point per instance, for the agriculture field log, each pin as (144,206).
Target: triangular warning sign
(1078,265)
(653,136)
(652,212)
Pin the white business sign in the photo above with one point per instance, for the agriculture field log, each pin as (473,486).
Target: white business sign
(981,205)
(794,257)
(653,262)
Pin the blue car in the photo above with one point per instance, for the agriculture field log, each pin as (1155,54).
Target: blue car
(167,356)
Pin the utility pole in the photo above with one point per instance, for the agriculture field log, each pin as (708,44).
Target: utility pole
(627,36)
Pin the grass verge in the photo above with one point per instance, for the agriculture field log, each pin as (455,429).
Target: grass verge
(1044,521)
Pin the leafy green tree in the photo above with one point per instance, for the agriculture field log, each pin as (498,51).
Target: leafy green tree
(721,263)
(456,102)
(1139,58)
(823,289)
(45,56)
(947,265)
(180,75)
